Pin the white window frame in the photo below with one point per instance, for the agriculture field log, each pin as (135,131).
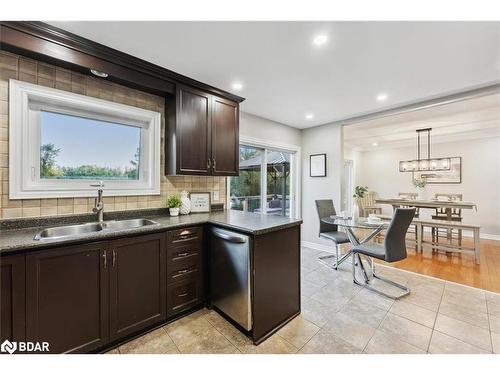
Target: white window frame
(295,172)
(26,100)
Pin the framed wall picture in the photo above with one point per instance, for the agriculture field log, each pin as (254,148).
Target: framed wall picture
(317,165)
(453,176)
(200,202)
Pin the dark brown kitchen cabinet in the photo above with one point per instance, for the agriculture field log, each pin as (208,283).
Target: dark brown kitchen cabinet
(12,298)
(67,299)
(137,284)
(202,134)
(225,137)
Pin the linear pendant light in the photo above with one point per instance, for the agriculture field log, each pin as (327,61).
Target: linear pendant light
(427,164)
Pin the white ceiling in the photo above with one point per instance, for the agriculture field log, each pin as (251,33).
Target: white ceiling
(285,76)
(459,121)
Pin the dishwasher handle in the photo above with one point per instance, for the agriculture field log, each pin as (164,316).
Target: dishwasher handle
(228,237)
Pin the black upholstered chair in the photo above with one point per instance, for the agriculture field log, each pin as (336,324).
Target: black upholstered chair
(393,250)
(331,232)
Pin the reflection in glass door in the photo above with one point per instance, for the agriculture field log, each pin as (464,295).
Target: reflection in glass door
(245,189)
(278,183)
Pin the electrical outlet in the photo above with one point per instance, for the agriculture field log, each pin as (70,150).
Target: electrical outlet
(215,195)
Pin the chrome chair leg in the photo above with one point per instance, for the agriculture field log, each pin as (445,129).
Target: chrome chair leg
(376,276)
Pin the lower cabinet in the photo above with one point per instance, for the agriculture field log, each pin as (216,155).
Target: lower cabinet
(67,300)
(137,284)
(79,298)
(12,298)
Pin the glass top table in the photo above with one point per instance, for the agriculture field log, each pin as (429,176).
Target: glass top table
(349,225)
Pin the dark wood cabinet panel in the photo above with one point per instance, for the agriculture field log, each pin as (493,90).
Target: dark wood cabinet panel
(183,295)
(137,284)
(67,297)
(12,298)
(276,280)
(193,127)
(225,137)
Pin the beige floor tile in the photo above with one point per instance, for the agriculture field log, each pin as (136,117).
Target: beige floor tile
(374,299)
(466,313)
(155,342)
(349,329)
(494,308)
(114,351)
(493,297)
(494,323)
(308,288)
(188,329)
(414,313)
(298,331)
(495,339)
(273,345)
(407,330)
(464,331)
(209,341)
(387,343)
(325,342)
(231,333)
(364,312)
(444,344)
(316,312)
(424,298)
(321,276)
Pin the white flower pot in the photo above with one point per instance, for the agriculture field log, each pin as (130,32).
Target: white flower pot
(422,194)
(355,211)
(174,211)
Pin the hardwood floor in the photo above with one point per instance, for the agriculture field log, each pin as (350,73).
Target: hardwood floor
(456,267)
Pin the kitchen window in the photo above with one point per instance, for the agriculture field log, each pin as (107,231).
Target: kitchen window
(61,142)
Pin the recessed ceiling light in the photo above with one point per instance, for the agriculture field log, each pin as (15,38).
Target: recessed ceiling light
(320,39)
(309,116)
(374,144)
(98,73)
(237,86)
(382,97)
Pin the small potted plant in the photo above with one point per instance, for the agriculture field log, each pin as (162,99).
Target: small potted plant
(173,204)
(420,183)
(359,192)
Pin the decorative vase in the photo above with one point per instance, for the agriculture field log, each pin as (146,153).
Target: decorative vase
(174,211)
(185,203)
(355,210)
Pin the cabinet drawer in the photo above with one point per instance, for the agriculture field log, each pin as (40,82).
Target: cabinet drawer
(184,269)
(183,295)
(185,236)
(177,254)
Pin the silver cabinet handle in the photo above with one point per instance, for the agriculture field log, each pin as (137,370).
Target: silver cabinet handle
(114,257)
(208,164)
(182,255)
(105,259)
(182,295)
(213,164)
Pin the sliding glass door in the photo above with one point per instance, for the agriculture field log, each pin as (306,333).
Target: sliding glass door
(265,183)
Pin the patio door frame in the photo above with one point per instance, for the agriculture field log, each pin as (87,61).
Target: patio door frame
(295,173)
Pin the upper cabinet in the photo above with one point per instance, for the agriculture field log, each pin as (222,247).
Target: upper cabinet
(202,134)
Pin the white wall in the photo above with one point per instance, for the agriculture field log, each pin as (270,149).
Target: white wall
(323,139)
(378,169)
(261,128)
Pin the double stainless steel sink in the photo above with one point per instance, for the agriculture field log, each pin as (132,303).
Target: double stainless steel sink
(82,229)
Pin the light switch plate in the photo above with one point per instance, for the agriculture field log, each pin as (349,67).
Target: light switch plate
(215,195)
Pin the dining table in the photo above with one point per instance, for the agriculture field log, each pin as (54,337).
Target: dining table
(447,205)
(350,224)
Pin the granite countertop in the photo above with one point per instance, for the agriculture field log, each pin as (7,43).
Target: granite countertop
(12,240)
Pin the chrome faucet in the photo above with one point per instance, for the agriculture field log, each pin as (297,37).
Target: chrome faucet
(99,205)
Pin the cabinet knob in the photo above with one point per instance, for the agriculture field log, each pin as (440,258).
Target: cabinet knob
(105,259)
(213,163)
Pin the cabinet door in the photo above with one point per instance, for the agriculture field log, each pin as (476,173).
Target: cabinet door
(225,137)
(193,131)
(12,298)
(137,284)
(67,297)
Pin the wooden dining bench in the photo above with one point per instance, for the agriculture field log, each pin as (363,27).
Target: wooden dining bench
(448,246)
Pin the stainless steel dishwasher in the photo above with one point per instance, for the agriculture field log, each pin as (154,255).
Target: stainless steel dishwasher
(230,275)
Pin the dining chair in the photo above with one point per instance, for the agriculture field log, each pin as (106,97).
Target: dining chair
(392,250)
(441,214)
(413,231)
(367,204)
(325,208)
